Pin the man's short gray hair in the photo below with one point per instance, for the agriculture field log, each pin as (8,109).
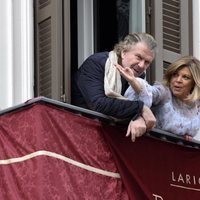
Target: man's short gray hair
(131,39)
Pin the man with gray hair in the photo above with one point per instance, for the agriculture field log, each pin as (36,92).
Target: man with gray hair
(100,87)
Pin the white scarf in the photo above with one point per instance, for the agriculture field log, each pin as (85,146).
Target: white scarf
(112,78)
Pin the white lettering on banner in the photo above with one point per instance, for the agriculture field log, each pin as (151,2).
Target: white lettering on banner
(186,181)
(157,197)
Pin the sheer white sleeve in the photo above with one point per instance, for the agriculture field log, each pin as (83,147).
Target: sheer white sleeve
(160,93)
(149,94)
(145,95)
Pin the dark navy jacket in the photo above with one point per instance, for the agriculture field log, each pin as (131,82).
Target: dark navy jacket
(88,90)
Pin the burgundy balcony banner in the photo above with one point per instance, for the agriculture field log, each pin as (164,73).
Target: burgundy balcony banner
(48,153)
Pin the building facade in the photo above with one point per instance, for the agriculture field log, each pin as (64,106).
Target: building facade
(49,39)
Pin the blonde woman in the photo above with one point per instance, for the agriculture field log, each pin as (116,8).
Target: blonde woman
(175,101)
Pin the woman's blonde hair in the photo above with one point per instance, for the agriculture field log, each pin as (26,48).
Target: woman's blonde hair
(194,66)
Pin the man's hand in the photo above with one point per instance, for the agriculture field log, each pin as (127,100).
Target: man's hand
(136,128)
(149,118)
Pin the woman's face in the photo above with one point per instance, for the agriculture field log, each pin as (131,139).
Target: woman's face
(181,83)
(138,58)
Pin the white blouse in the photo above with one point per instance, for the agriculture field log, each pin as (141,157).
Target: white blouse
(172,114)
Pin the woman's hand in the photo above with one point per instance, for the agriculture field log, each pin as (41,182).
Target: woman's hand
(128,74)
(187,137)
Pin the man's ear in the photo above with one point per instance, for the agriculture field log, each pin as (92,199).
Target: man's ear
(123,54)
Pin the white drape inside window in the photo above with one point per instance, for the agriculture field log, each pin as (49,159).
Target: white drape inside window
(196,28)
(16,52)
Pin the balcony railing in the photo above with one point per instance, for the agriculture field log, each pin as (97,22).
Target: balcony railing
(156,133)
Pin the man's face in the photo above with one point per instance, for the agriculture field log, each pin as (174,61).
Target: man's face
(138,58)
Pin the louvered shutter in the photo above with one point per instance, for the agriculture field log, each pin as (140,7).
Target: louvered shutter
(171,28)
(49,48)
(175,29)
